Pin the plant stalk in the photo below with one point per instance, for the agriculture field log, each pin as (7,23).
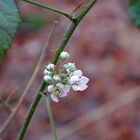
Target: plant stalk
(31,110)
(51,118)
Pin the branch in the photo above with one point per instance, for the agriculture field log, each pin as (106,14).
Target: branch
(15,110)
(6,103)
(72,29)
(10,97)
(50,8)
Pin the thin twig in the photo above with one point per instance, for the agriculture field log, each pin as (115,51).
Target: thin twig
(50,8)
(12,115)
(10,97)
(98,113)
(6,103)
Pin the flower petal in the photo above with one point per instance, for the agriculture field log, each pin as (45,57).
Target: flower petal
(64,94)
(66,88)
(74,79)
(83,87)
(45,71)
(50,88)
(61,86)
(54,98)
(77,73)
(84,80)
(71,64)
(76,88)
(47,78)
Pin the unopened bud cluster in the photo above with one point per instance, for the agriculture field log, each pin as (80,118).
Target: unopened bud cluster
(66,78)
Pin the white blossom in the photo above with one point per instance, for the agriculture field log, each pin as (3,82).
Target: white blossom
(78,82)
(58,90)
(50,67)
(47,78)
(64,55)
(70,67)
(61,81)
(54,98)
(74,79)
(56,78)
(46,72)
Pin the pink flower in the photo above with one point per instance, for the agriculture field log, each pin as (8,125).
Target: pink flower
(78,82)
(58,90)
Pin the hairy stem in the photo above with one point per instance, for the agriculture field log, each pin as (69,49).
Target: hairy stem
(61,47)
(50,8)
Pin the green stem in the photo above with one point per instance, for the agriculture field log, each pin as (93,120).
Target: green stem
(85,10)
(71,30)
(31,110)
(61,47)
(51,118)
(64,42)
(50,8)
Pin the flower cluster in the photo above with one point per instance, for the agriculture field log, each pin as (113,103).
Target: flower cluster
(67,78)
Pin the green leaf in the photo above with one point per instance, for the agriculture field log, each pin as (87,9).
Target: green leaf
(1,53)
(9,20)
(134,7)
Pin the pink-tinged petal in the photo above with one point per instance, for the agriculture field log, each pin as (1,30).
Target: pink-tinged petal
(61,86)
(50,88)
(76,88)
(64,94)
(54,98)
(66,89)
(71,64)
(83,87)
(77,73)
(80,87)
(74,79)
(84,80)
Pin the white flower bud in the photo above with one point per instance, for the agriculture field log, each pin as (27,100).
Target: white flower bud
(50,66)
(56,78)
(47,78)
(46,72)
(70,67)
(64,55)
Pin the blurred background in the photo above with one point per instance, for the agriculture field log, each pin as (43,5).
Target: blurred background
(106,46)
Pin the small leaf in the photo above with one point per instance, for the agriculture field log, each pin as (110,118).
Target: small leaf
(9,20)
(134,7)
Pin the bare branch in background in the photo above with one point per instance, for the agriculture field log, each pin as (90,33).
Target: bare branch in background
(6,103)
(31,81)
